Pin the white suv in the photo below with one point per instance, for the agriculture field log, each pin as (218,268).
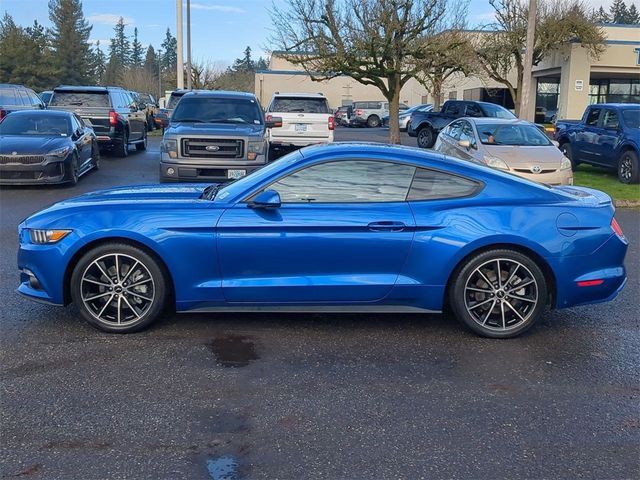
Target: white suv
(306,120)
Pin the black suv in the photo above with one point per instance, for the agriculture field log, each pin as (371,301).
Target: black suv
(116,118)
(17,97)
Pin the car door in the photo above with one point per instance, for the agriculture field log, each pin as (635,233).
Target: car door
(81,140)
(341,234)
(587,137)
(137,117)
(609,138)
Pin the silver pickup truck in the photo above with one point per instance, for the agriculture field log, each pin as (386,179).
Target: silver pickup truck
(215,136)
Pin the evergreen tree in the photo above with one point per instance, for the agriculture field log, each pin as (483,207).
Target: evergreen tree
(601,16)
(151,62)
(618,11)
(99,64)
(70,41)
(120,48)
(169,59)
(136,50)
(633,17)
(113,72)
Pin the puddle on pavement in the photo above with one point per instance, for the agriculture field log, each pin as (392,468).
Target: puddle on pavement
(223,468)
(233,350)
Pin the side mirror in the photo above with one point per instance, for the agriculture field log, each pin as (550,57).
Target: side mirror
(273,122)
(464,144)
(267,199)
(555,143)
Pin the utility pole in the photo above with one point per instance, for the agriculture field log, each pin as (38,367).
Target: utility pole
(189,44)
(526,112)
(180,39)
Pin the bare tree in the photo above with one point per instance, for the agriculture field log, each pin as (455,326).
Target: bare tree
(139,80)
(559,22)
(376,42)
(205,75)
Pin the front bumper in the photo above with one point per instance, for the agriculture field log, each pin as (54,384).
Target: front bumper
(48,172)
(205,171)
(559,177)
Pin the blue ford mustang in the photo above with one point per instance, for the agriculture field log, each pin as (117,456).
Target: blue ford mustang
(344,227)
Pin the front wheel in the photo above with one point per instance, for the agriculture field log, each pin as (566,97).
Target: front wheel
(628,167)
(426,137)
(498,293)
(566,150)
(74,167)
(118,288)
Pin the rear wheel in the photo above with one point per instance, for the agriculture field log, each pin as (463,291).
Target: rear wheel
(426,137)
(565,148)
(628,167)
(118,288)
(373,121)
(499,293)
(122,147)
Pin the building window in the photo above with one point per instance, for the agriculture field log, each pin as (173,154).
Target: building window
(547,99)
(616,90)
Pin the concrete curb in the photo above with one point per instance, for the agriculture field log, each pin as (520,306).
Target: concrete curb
(626,203)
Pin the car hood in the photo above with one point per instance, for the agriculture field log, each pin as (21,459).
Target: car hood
(242,130)
(520,156)
(30,144)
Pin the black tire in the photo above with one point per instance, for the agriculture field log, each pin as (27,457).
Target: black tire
(142,146)
(488,310)
(373,121)
(122,148)
(426,137)
(628,171)
(150,123)
(120,301)
(74,170)
(95,155)
(565,148)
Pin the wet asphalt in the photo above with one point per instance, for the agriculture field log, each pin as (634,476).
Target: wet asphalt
(310,396)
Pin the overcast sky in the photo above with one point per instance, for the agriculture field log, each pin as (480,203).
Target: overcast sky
(221,29)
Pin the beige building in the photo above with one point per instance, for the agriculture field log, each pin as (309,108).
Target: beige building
(566,82)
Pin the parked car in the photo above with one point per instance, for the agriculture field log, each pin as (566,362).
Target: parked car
(427,125)
(44,147)
(215,136)
(306,120)
(45,96)
(341,115)
(164,114)
(514,146)
(17,97)
(342,227)
(405,115)
(112,112)
(607,136)
(370,113)
(152,108)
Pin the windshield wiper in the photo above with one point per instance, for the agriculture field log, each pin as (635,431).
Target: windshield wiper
(191,120)
(226,120)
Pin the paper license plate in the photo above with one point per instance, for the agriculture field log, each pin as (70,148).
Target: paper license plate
(301,127)
(236,173)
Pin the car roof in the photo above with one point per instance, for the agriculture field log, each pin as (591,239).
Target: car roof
(617,105)
(46,112)
(219,94)
(83,88)
(299,94)
(13,85)
(498,121)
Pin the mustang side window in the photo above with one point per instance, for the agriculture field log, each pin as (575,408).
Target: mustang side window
(434,185)
(351,181)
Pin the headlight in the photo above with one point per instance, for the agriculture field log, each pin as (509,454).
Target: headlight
(170,147)
(59,152)
(42,237)
(566,163)
(495,162)
(254,149)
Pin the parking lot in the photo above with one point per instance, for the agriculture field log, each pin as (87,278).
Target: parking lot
(311,396)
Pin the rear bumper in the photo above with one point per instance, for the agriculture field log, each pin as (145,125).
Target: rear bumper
(48,172)
(299,141)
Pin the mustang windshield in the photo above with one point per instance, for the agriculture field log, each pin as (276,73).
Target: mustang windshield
(217,110)
(521,135)
(40,124)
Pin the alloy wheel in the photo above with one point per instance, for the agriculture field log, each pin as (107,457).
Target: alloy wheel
(501,294)
(626,169)
(117,289)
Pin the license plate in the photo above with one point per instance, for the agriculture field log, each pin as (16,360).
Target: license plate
(235,174)
(301,127)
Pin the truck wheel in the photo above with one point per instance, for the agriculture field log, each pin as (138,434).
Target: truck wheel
(426,137)
(122,148)
(565,148)
(142,145)
(373,121)
(628,167)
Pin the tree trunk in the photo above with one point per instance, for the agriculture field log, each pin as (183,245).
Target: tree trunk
(394,105)
(437,95)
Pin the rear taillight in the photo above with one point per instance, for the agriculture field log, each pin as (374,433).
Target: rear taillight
(359,112)
(113,117)
(617,230)
(269,117)
(332,123)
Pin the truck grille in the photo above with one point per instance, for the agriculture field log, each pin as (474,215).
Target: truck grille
(21,159)
(212,148)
